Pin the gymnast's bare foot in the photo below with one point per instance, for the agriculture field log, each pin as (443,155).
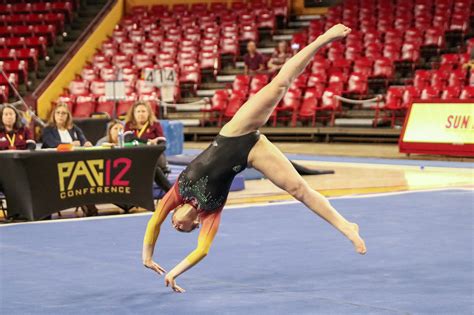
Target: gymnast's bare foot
(352,234)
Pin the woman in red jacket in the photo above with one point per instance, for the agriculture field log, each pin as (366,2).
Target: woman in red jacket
(13,133)
(143,123)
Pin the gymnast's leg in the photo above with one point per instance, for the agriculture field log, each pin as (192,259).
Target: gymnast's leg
(257,110)
(269,160)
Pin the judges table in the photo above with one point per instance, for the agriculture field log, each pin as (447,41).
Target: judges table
(39,183)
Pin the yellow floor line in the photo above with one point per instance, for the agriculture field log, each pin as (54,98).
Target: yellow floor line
(334,193)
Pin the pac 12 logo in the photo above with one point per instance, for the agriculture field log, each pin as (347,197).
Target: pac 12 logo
(89,177)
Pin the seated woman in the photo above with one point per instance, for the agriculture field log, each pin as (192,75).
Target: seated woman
(143,123)
(113,130)
(61,129)
(279,57)
(13,133)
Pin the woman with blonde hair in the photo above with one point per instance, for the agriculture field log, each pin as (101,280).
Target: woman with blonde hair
(147,129)
(61,129)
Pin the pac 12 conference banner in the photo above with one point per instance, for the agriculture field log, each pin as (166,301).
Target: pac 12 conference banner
(439,127)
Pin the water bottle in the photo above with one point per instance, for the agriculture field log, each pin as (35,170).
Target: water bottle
(120,139)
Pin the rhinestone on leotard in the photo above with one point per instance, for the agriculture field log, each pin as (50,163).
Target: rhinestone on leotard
(197,191)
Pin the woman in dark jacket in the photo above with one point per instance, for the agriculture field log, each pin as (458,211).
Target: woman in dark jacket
(60,129)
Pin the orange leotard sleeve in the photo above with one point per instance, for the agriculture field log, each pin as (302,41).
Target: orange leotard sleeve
(210,225)
(170,201)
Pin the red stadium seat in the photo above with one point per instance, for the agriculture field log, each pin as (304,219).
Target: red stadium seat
(78,87)
(450,92)
(357,84)
(85,106)
(97,87)
(307,111)
(266,19)
(105,106)
(236,100)
(218,105)
(241,83)
(467,93)
(429,93)
(248,32)
(329,106)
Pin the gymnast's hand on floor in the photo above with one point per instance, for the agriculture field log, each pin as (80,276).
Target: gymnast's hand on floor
(169,281)
(154,266)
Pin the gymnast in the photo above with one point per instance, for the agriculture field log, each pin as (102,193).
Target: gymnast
(200,193)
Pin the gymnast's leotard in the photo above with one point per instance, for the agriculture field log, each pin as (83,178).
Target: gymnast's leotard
(206,182)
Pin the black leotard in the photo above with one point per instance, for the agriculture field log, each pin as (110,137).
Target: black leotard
(206,181)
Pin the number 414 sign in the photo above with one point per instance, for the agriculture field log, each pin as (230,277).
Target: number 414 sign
(160,77)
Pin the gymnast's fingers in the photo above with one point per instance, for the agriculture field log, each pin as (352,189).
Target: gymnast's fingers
(178,289)
(159,269)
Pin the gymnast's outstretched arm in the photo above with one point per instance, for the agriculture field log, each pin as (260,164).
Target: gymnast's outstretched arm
(210,225)
(256,111)
(164,207)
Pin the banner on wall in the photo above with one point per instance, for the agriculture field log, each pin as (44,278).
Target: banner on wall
(439,127)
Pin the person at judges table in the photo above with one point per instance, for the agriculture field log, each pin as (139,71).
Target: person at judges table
(13,133)
(146,128)
(61,129)
(112,137)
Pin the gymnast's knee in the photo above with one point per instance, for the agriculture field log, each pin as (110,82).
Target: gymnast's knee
(298,189)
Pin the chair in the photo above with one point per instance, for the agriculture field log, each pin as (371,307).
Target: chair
(218,105)
(392,104)
(467,93)
(307,111)
(236,100)
(357,85)
(450,93)
(288,107)
(329,105)
(78,87)
(85,106)
(429,93)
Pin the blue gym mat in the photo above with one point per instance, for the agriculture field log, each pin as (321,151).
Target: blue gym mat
(273,259)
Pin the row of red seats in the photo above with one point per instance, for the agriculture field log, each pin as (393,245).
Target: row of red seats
(57,19)
(84,106)
(36,42)
(225,46)
(279,8)
(297,105)
(65,8)
(402,14)
(75,3)
(175,36)
(205,28)
(264,20)
(307,105)
(19,67)
(28,54)
(48,31)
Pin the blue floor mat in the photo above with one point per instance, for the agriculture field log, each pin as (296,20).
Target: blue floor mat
(275,259)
